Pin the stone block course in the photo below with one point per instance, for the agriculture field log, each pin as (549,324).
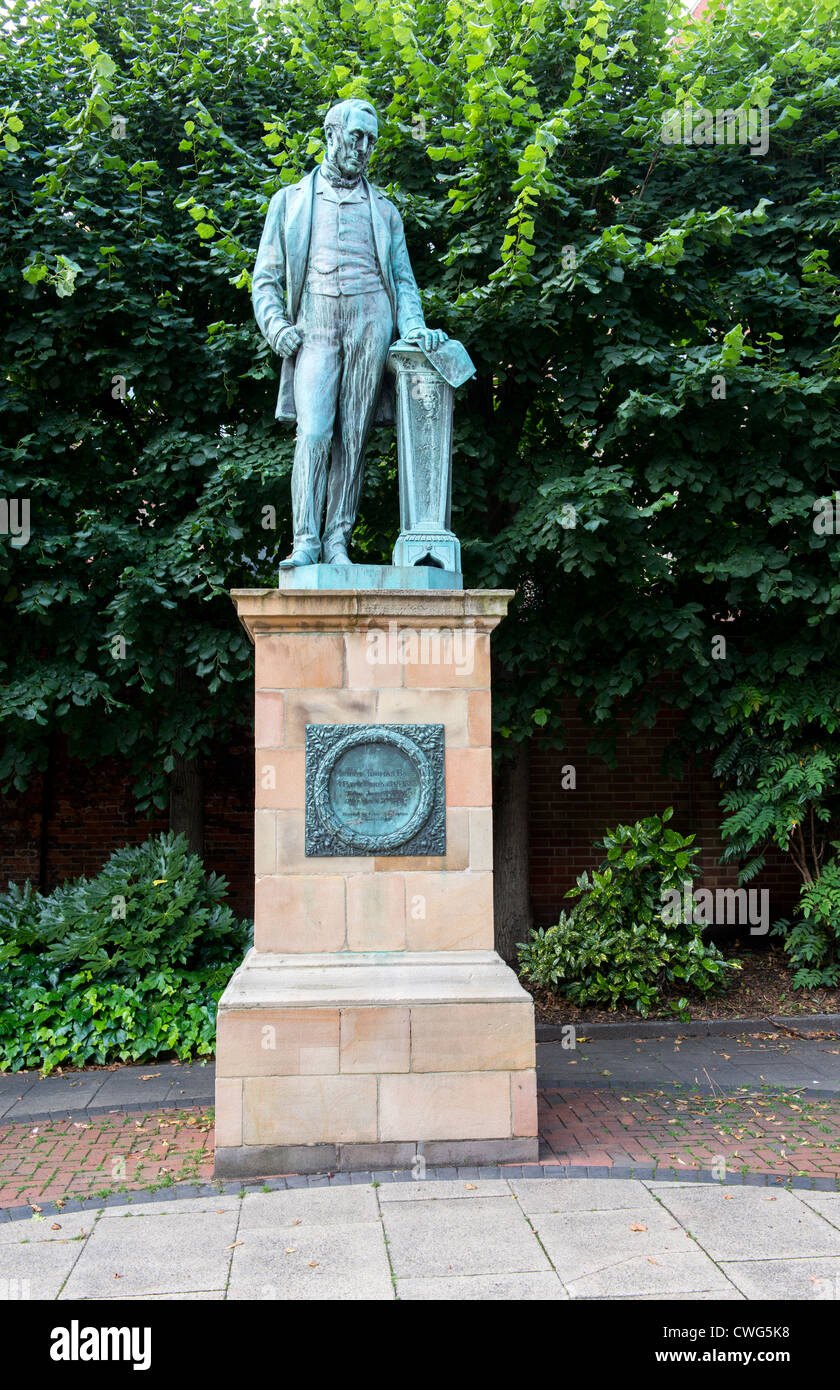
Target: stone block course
(375,1040)
(376,912)
(466,1105)
(469,777)
(306,1110)
(281,1042)
(299,660)
(449,911)
(299,912)
(481,1037)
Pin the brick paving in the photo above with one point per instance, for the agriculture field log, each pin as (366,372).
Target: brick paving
(753,1131)
(781,1133)
(103,1154)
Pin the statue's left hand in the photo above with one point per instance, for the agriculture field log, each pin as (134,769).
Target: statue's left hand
(427,338)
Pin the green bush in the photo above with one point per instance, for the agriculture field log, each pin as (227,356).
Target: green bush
(126,966)
(813,943)
(615,946)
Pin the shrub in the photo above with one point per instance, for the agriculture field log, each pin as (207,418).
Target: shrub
(813,943)
(125,966)
(615,945)
(781,766)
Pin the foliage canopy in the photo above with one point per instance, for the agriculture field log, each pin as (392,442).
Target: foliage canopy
(606,283)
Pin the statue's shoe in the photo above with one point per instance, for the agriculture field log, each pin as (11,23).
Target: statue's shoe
(298,557)
(337,556)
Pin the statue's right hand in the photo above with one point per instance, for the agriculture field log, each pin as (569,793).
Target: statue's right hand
(288,341)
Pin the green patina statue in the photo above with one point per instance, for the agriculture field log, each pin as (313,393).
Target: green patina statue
(332,290)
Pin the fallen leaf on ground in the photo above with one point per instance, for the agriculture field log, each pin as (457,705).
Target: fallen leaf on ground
(637,1226)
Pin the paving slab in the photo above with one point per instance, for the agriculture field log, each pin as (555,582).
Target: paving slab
(178,1254)
(28,1093)
(601,1063)
(447,1188)
(826,1203)
(790,1077)
(202,1296)
(47,1228)
(176,1207)
(798,1279)
(313,1206)
(196,1080)
(583,1245)
(698,1071)
(749,1223)
(707,1296)
(487,1235)
(583,1194)
(36,1269)
(323,1263)
(730,1063)
(13,1083)
(681,1275)
(13,1088)
(545,1239)
(485,1288)
(127,1086)
(56,1094)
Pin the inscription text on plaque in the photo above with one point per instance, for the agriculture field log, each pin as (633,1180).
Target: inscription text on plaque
(375,789)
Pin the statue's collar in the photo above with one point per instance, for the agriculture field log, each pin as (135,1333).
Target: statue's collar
(335,180)
(352,193)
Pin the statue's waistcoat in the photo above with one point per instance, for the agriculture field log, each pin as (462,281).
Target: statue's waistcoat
(342,254)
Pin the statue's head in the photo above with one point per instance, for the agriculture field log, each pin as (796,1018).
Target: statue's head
(351,129)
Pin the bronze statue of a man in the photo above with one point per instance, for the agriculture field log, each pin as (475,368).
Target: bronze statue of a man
(332,290)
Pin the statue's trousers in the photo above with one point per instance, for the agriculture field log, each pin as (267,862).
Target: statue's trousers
(338,373)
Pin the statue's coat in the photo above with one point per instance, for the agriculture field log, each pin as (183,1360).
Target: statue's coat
(280,272)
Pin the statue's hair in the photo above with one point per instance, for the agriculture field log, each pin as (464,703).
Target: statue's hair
(339,114)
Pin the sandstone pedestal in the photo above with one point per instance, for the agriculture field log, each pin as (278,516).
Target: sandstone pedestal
(372,1024)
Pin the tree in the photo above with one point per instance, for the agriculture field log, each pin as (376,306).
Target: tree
(135,421)
(655,330)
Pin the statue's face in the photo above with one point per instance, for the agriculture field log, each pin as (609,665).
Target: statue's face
(350,146)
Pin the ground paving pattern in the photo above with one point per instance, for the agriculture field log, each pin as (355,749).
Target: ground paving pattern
(106,1190)
(458,1239)
(733,1108)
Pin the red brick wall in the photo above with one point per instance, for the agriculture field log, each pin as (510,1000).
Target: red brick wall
(91,813)
(564,823)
